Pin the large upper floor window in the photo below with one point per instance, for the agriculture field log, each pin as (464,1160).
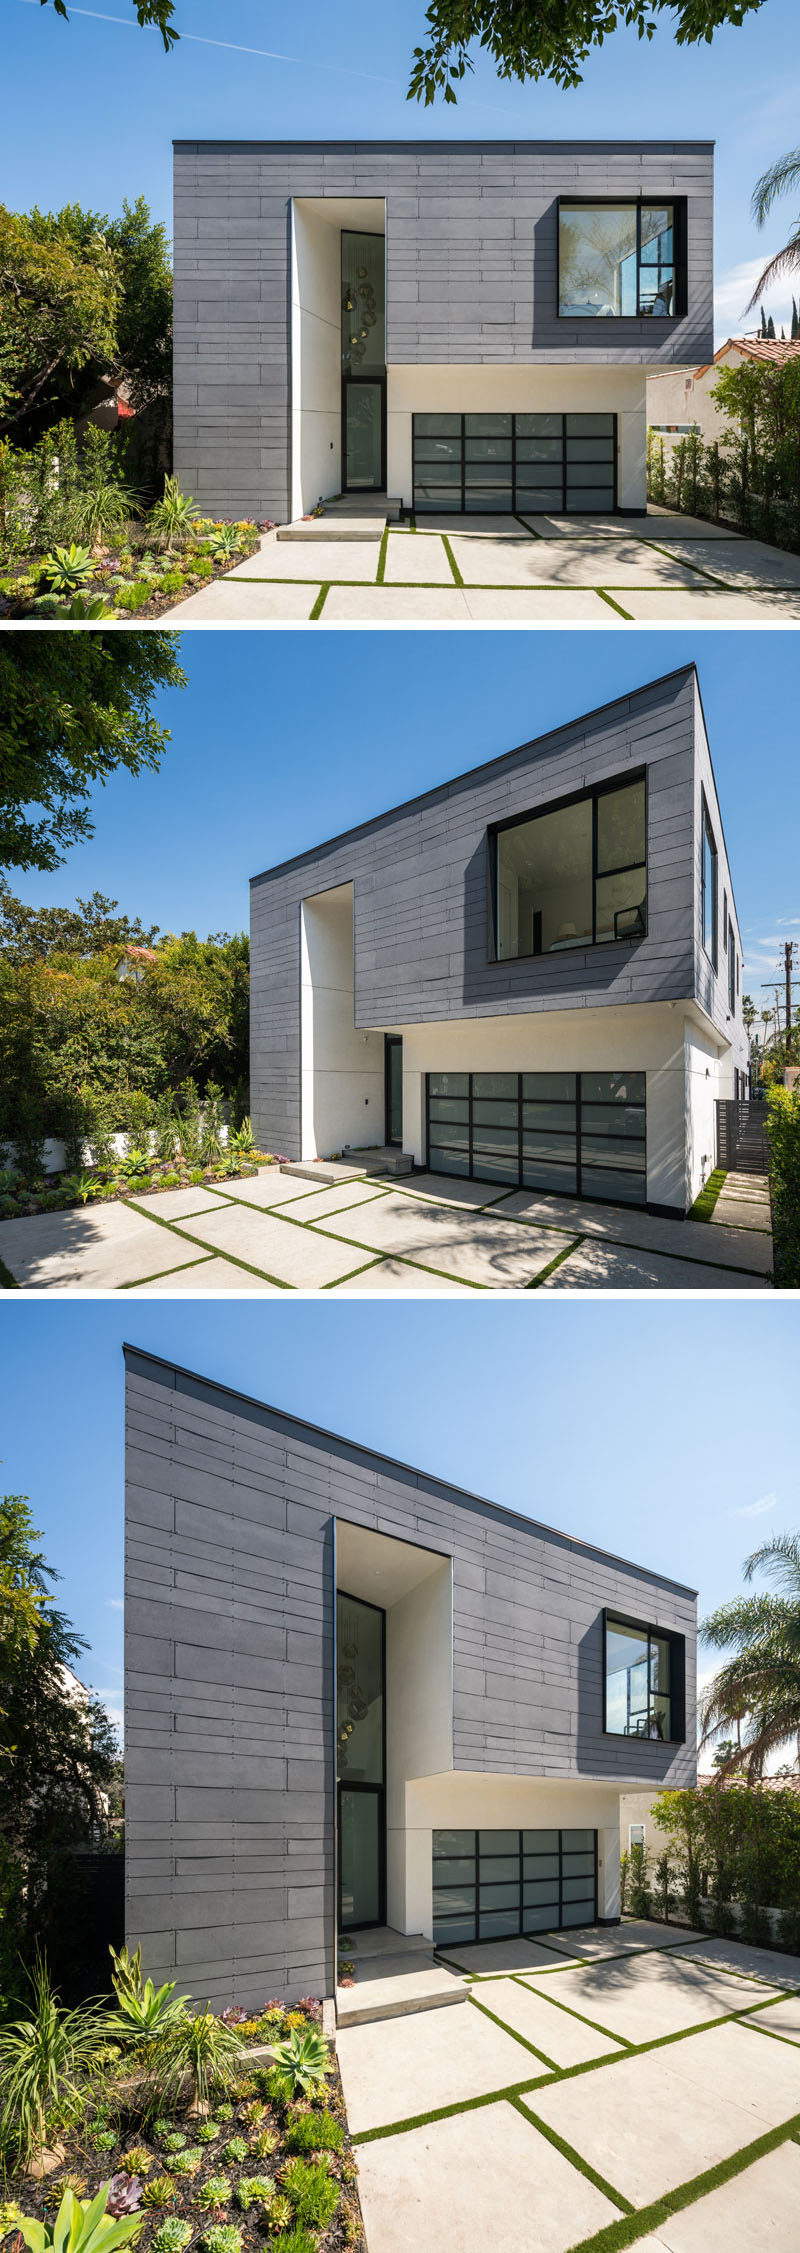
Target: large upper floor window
(708,889)
(574,875)
(644,1681)
(620,260)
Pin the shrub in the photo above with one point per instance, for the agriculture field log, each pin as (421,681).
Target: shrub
(314,2131)
(783,1130)
(313,2195)
(639,1887)
(133,597)
(44,2059)
(171,521)
(296,2240)
(197,2049)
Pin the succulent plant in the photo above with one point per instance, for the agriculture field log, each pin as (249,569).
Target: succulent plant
(124,2195)
(235,2152)
(264,2143)
(173,2140)
(281,2214)
(171,2236)
(185,2162)
(223,2237)
(254,2190)
(214,2192)
(223,2112)
(254,2111)
(158,2192)
(137,2161)
(103,2139)
(207,2131)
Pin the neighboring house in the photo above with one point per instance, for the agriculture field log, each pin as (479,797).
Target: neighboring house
(467,325)
(134,963)
(636,1826)
(529,975)
(356,1695)
(681,400)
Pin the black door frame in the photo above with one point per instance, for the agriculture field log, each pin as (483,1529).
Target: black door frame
(343,1783)
(390,1041)
(378,382)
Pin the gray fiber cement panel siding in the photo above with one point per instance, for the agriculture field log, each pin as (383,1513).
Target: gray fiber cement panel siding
(471,240)
(229,1723)
(420,881)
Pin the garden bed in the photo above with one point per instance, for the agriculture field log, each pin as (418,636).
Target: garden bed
(264,2166)
(130,580)
(20,1198)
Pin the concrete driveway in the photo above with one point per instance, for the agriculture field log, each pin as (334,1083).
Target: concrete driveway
(420,1235)
(605,571)
(638,2075)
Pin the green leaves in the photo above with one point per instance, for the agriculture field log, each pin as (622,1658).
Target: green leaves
(74,709)
(304,2057)
(549,38)
(159,13)
(82,2226)
(757,1692)
(144,2009)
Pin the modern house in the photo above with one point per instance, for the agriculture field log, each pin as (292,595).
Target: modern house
(529,975)
(465,325)
(358,1696)
(680,400)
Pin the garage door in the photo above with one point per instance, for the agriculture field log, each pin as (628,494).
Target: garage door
(493,1885)
(528,464)
(577,1134)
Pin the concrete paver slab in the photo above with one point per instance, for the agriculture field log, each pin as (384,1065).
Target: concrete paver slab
(643,2126)
(287,1254)
(646,1994)
(207,1278)
(327,559)
(578,563)
(782,2018)
(767,2083)
(418,557)
(499,1254)
(395,1278)
(481,2179)
(598,1940)
(476,527)
(772,1965)
(398,2068)
(228,602)
(497,1958)
(756,2212)
(608,1267)
(739,1212)
(668,605)
(624,1224)
(395,606)
(88,1249)
(531,2013)
(749,563)
(266,1188)
(178,1204)
(322,1203)
(445,1190)
(539,606)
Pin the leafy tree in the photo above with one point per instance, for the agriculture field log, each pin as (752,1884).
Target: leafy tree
(31,934)
(73,708)
(57,1748)
(532,39)
(781,176)
(757,1691)
(198,991)
(157,12)
(58,304)
(85,303)
(22,1589)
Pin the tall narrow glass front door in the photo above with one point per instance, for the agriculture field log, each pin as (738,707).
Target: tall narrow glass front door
(394,1089)
(360,1734)
(363,437)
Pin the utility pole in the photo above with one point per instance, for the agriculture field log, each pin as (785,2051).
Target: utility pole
(788,960)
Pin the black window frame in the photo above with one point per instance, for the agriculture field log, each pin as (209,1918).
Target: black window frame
(731,969)
(579,1102)
(521,473)
(707,834)
(599,790)
(680,252)
(677,1675)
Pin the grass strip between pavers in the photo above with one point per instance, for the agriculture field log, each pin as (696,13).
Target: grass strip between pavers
(403,1187)
(381,571)
(446,2112)
(626,614)
(451,560)
(319,605)
(161,1273)
(515,2035)
(645,2219)
(770,2031)
(703,1206)
(537,1280)
(184,1237)
(607,2031)
(568,2151)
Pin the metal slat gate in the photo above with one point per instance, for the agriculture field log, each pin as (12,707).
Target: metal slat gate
(742,1145)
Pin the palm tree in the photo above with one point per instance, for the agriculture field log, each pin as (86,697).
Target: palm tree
(757,1691)
(785,174)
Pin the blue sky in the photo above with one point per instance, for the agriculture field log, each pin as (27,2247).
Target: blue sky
(279,742)
(97,103)
(661,1440)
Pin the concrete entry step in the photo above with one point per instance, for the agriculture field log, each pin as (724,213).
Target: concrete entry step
(350,519)
(326,1172)
(379,1160)
(396,1983)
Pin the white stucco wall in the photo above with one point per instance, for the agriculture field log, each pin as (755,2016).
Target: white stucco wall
(684,396)
(316,357)
(341,1069)
(651,1038)
(419,1712)
(561,389)
(471,1802)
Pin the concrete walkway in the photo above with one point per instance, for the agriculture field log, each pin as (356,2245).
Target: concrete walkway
(421,1234)
(606,571)
(571,2094)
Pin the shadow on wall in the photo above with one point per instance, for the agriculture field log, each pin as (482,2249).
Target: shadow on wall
(594,969)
